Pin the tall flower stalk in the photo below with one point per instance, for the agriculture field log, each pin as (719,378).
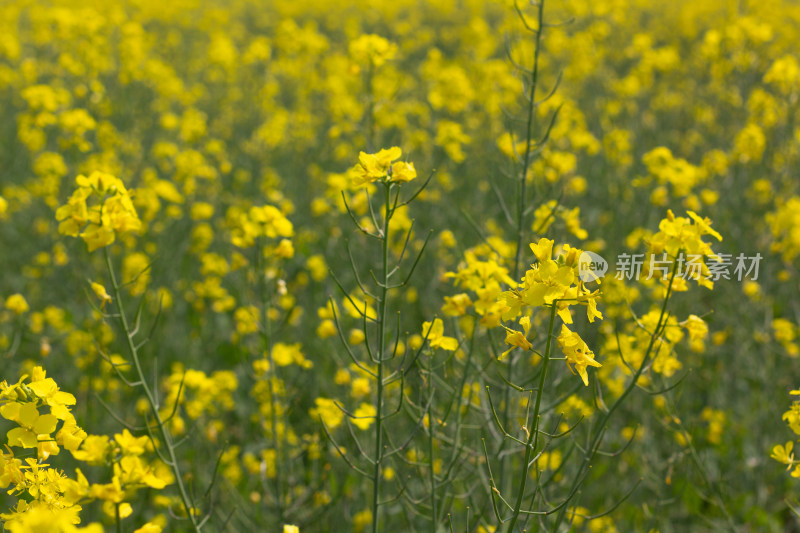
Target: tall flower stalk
(381,170)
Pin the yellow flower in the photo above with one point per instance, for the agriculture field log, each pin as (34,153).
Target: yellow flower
(246,319)
(201,211)
(285,249)
(70,436)
(286,354)
(47,390)
(456,305)
(361,520)
(327,410)
(374,167)
(97,236)
(365,416)
(131,445)
(42,517)
(32,424)
(372,49)
(783,454)
(542,249)
(17,304)
(264,221)
(111,212)
(359,387)
(100,292)
(577,353)
(696,327)
(94,450)
(434,332)
(403,172)
(516,339)
(290,529)
(132,471)
(677,233)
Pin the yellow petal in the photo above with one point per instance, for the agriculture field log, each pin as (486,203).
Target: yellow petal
(45,425)
(10,411)
(448,343)
(387,155)
(543,249)
(22,437)
(28,414)
(44,388)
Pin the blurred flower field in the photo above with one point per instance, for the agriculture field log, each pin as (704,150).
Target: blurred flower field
(465,265)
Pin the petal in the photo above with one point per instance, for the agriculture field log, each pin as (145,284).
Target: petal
(543,249)
(22,437)
(45,425)
(448,343)
(388,155)
(10,411)
(438,328)
(64,398)
(44,388)
(28,414)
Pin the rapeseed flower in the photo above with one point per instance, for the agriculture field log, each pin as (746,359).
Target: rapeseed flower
(578,354)
(99,209)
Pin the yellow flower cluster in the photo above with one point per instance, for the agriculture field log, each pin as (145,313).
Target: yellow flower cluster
(578,355)
(98,210)
(784,452)
(17,304)
(677,235)
(372,50)
(263,221)
(632,341)
(47,497)
(552,282)
(379,166)
(784,224)
(484,273)
(200,394)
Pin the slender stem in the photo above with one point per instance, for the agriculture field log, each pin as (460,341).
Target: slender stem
(533,439)
(272,375)
(598,435)
(370,109)
(431,437)
(166,436)
(713,487)
(528,138)
(376,476)
(521,201)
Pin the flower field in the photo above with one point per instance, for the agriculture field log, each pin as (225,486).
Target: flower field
(464,265)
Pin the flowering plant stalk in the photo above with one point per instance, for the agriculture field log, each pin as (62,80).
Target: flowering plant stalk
(381,170)
(163,432)
(99,210)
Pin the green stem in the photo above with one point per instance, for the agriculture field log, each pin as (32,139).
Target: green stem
(370,109)
(376,475)
(431,438)
(166,436)
(533,440)
(521,201)
(528,138)
(713,487)
(272,375)
(598,435)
